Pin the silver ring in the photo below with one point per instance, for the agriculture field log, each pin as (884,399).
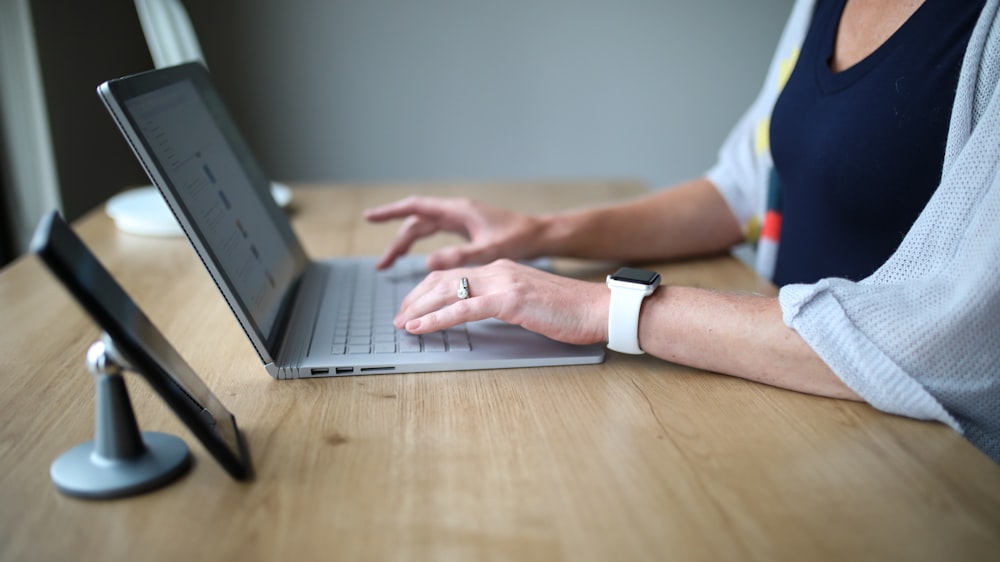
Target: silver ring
(463,288)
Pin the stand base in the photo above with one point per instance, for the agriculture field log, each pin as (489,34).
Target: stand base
(82,473)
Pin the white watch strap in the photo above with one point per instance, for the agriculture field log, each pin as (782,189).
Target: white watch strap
(623,320)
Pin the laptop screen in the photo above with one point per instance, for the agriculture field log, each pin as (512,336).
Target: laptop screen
(194,153)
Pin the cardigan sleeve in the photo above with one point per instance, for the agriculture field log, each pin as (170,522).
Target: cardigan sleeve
(920,337)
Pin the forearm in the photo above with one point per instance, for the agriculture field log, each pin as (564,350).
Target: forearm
(740,335)
(686,220)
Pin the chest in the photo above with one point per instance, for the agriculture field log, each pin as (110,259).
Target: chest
(865,25)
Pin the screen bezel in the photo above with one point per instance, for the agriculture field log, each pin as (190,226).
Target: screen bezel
(140,343)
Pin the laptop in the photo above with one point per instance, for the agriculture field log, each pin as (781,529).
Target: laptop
(304,317)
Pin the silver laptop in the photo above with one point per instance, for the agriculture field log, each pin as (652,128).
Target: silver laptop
(305,318)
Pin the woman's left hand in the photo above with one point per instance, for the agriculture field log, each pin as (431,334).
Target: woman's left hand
(563,309)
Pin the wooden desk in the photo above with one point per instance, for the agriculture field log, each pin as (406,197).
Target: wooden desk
(634,459)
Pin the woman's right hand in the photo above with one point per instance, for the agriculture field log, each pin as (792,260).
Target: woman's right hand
(490,232)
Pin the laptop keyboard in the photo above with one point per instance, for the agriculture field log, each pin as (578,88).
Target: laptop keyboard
(369,300)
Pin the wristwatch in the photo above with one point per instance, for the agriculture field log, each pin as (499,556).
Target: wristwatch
(628,287)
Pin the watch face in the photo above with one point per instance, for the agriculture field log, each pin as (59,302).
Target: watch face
(632,275)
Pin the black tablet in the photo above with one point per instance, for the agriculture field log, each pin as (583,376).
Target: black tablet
(141,343)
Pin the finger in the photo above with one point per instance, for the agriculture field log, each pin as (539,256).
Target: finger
(413,228)
(434,304)
(391,211)
(460,312)
(461,255)
(428,207)
(435,291)
(450,257)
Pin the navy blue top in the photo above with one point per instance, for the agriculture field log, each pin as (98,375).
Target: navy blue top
(858,154)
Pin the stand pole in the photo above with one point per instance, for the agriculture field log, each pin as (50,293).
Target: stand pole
(121,460)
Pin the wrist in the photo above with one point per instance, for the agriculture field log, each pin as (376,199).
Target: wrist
(559,235)
(598,303)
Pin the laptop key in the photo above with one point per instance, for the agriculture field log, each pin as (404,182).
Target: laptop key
(409,343)
(459,344)
(434,341)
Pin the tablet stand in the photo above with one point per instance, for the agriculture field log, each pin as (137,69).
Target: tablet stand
(120,461)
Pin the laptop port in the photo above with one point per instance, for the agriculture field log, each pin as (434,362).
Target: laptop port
(315,372)
(344,370)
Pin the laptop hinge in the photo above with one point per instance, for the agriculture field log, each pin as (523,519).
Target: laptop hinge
(273,370)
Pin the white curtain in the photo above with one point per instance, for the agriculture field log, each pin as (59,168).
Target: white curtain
(30,179)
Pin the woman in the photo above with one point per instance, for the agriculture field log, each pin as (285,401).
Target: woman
(877,120)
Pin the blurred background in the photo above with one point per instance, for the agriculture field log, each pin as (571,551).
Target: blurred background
(390,90)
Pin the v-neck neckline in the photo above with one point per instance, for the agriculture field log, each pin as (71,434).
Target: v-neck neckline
(831,81)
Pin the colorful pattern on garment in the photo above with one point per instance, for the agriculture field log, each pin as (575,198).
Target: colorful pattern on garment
(767,229)
(743,171)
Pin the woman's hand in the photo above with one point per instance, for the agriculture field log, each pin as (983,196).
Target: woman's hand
(567,310)
(491,232)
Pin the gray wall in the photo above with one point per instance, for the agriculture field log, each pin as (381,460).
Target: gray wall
(381,90)
(431,90)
